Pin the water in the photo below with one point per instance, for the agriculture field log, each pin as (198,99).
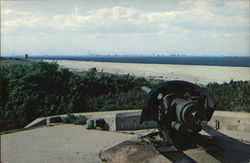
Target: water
(210,61)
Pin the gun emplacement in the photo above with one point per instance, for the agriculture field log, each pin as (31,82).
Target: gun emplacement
(180,108)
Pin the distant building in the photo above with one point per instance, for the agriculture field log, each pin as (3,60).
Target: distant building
(26,56)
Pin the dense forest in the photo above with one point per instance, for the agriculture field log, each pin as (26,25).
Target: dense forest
(33,89)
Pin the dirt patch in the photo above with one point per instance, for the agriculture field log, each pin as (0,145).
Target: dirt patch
(132,152)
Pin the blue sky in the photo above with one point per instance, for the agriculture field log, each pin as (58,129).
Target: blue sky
(126,27)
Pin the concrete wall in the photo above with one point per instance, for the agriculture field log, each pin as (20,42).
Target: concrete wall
(131,121)
(235,124)
(232,121)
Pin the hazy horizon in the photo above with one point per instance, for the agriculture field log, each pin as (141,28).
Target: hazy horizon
(109,27)
(117,55)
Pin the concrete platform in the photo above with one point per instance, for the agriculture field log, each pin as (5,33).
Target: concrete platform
(58,144)
(73,143)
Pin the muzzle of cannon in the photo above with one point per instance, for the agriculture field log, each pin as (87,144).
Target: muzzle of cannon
(180,108)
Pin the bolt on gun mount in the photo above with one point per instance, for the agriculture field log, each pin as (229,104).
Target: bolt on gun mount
(179,107)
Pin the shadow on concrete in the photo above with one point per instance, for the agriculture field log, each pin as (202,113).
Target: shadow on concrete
(223,147)
(178,157)
(217,147)
(172,153)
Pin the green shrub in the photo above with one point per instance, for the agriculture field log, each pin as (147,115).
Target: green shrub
(133,99)
(75,119)
(233,96)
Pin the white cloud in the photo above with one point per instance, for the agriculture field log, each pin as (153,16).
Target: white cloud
(120,19)
(7,12)
(198,21)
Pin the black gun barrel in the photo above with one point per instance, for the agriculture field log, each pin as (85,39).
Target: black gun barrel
(145,89)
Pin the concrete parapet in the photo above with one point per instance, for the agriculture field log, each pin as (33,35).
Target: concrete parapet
(232,121)
(44,121)
(237,123)
(131,121)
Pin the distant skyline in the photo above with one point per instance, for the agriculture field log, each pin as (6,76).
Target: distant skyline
(125,27)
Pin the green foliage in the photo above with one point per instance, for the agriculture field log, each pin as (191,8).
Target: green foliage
(234,96)
(33,89)
(75,119)
(132,99)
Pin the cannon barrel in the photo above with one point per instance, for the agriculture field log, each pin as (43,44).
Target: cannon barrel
(146,89)
(179,107)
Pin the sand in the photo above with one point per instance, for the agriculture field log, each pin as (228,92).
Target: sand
(191,73)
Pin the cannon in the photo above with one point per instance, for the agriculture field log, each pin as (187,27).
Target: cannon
(180,109)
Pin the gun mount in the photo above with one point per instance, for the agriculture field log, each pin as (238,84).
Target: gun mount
(180,108)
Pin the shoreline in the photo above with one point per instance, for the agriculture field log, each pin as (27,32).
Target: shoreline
(75,60)
(199,74)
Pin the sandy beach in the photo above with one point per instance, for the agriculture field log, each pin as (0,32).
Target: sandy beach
(192,73)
